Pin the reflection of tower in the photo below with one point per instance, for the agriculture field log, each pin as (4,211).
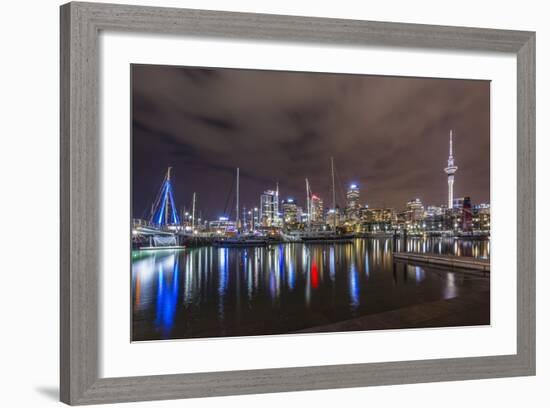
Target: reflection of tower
(451,170)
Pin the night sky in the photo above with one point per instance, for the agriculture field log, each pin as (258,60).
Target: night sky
(388,134)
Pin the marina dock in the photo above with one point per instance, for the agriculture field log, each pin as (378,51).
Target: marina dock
(462,262)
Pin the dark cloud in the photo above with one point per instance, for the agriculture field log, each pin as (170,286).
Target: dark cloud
(389,134)
(217,123)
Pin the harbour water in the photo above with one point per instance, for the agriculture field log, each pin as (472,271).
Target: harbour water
(286,288)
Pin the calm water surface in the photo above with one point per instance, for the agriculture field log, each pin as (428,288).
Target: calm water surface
(211,292)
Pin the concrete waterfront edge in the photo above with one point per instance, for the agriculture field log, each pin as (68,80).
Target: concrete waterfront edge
(79,195)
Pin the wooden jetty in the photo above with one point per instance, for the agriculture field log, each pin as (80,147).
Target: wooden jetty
(462,262)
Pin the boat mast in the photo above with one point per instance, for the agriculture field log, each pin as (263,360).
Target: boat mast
(193,214)
(166,208)
(333,193)
(308,206)
(237,217)
(276,206)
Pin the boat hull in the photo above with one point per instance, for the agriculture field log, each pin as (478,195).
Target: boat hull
(240,243)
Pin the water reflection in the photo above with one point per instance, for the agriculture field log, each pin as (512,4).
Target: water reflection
(167,293)
(208,292)
(450,246)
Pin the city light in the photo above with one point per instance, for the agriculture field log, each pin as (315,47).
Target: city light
(354,217)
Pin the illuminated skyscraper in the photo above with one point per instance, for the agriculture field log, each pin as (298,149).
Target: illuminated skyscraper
(352,202)
(415,209)
(290,212)
(317,215)
(255,217)
(268,208)
(464,207)
(276,213)
(481,217)
(450,170)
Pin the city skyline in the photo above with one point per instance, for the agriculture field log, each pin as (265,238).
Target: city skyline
(413,169)
(269,202)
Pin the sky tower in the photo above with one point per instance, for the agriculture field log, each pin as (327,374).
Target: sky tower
(451,170)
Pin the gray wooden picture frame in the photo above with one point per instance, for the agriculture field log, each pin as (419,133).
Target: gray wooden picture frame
(81,24)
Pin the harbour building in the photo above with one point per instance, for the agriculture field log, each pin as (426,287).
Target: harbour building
(352,203)
(317,215)
(269,208)
(415,210)
(291,212)
(464,220)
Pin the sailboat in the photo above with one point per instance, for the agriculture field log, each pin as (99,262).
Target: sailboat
(240,239)
(331,236)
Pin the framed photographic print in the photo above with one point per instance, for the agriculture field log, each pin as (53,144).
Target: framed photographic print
(259,203)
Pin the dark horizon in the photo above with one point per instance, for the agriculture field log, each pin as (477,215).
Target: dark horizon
(387,134)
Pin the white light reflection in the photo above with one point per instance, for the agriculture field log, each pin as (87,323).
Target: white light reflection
(419,274)
(332,266)
(450,290)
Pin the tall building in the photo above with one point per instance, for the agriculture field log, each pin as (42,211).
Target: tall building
(450,170)
(316,204)
(434,218)
(255,217)
(481,217)
(276,213)
(291,214)
(269,208)
(352,202)
(467,224)
(415,210)
(463,206)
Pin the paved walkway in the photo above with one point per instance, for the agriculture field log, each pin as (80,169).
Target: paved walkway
(469,310)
